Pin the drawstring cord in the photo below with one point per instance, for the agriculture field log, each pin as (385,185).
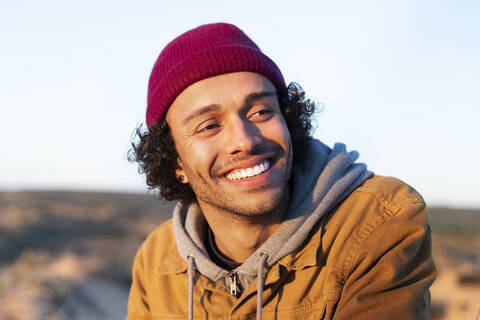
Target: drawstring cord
(260,284)
(260,280)
(191,272)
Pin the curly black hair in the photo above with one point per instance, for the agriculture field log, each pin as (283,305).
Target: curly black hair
(155,152)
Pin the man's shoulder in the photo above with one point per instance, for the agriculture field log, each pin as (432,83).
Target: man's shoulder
(160,248)
(160,238)
(378,202)
(162,230)
(375,242)
(375,201)
(390,192)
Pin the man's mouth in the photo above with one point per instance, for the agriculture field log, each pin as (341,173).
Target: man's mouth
(243,173)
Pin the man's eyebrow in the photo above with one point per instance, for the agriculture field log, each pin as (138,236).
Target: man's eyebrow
(248,101)
(201,111)
(252,97)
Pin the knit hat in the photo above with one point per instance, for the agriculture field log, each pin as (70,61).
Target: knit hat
(206,51)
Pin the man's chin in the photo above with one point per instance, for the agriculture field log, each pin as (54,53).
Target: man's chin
(256,207)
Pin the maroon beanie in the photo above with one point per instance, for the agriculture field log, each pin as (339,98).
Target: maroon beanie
(206,51)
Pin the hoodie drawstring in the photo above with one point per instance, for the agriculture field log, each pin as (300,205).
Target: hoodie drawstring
(260,284)
(191,271)
(260,280)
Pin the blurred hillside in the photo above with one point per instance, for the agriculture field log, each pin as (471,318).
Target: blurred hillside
(68,255)
(57,249)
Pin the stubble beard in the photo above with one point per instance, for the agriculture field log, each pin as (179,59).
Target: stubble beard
(242,209)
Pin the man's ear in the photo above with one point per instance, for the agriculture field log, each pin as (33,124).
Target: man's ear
(180,173)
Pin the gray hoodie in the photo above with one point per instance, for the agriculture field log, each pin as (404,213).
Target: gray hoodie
(325,178)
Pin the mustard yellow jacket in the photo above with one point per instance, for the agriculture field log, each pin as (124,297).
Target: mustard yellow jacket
(370,258)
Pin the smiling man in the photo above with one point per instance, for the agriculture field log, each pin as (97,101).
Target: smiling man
(269,222)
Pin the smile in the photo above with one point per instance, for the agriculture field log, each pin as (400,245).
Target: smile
(238,174)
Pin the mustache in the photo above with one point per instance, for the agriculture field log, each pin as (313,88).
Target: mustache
(227,162)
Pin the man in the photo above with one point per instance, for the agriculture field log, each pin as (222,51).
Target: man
(269,222)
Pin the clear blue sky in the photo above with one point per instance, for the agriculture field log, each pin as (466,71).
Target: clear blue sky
(398,81)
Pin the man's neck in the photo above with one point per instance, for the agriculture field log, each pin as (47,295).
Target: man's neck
(239,237)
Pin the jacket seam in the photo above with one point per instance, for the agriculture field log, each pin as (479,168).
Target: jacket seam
(371,226)
(392,205)
(302,310)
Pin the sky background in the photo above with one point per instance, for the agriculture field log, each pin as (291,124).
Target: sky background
(397,81)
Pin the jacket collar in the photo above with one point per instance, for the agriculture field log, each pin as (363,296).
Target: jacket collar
(307,256)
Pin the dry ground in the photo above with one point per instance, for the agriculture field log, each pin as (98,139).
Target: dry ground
(52,244)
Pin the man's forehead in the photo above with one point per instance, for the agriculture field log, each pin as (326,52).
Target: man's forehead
(215,93)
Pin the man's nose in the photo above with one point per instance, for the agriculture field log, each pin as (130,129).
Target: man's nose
(243,136)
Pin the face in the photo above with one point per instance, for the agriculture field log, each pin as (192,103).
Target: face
(233,144)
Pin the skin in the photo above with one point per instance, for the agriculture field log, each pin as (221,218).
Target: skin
(224,124)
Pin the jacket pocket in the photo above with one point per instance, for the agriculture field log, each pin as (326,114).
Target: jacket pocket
(303,312)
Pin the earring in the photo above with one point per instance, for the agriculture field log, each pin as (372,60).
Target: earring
(180,178)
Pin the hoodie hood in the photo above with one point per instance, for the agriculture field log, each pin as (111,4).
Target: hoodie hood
(320,182)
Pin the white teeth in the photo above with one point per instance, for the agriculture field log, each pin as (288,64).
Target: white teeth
(243,173)
(262,167)
(249,172)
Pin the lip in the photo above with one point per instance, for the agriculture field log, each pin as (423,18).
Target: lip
(261,179)
(249,163)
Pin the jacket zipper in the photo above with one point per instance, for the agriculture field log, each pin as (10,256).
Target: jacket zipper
(232,276)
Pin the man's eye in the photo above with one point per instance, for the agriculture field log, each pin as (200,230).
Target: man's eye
(262,114)
(263,111)
(207,126)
